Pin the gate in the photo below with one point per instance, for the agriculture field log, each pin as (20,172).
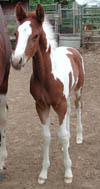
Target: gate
(90,25)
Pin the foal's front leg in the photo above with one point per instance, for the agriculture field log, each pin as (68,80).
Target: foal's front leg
(64,136)
(45,120)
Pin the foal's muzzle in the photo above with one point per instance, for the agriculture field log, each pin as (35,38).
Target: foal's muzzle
(17,64)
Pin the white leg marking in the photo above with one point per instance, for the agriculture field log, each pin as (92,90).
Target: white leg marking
(68,116)
(46,162)
(3,119)
(79,138)
(63,135)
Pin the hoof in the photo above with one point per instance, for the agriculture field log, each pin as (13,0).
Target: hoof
(68,180)
(79,140)
(41,180)
(2,173)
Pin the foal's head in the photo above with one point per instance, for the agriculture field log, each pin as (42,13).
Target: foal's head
(27,35)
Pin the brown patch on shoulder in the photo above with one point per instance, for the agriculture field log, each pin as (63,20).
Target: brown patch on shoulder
(76,62)
(49,93)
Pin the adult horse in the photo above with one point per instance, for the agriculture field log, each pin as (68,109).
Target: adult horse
(56,71)
(5,53)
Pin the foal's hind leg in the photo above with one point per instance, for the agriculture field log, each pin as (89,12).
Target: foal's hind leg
(78,104)
(68,116)
(3,119)
(44,117)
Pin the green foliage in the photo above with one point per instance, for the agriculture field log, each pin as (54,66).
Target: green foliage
(32,2)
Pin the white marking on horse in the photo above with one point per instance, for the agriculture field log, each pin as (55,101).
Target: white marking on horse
(64,135)
(61,67)
(24,31)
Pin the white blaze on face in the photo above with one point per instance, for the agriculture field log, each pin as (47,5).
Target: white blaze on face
(24,31)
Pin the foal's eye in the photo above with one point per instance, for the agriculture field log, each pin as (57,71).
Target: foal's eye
(35,36)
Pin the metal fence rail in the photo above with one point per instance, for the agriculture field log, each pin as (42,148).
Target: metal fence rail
(49,8)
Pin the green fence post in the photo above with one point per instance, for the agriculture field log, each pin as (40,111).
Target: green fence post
(81,29)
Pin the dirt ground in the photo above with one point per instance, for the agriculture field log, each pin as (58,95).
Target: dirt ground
(24,140)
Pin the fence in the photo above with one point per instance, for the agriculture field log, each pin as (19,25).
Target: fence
(49,8)
(90,25)
(79,21)
(69,19)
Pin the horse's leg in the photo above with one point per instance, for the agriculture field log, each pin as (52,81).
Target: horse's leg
(44,117)
(63,134)
(78,104)
(3,151)
(3,119)
(68,116)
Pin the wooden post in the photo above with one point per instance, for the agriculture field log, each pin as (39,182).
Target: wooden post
(60,13)
(75,12)
(81,30)
(58,21)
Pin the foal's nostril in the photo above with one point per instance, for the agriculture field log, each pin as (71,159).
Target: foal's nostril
(20,61)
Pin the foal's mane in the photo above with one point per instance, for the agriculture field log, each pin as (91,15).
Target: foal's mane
(50,35)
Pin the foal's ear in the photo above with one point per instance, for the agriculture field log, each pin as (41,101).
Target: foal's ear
(20,12)
(40,13)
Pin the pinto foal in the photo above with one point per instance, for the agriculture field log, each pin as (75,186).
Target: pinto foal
(56,71)
(5,53)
